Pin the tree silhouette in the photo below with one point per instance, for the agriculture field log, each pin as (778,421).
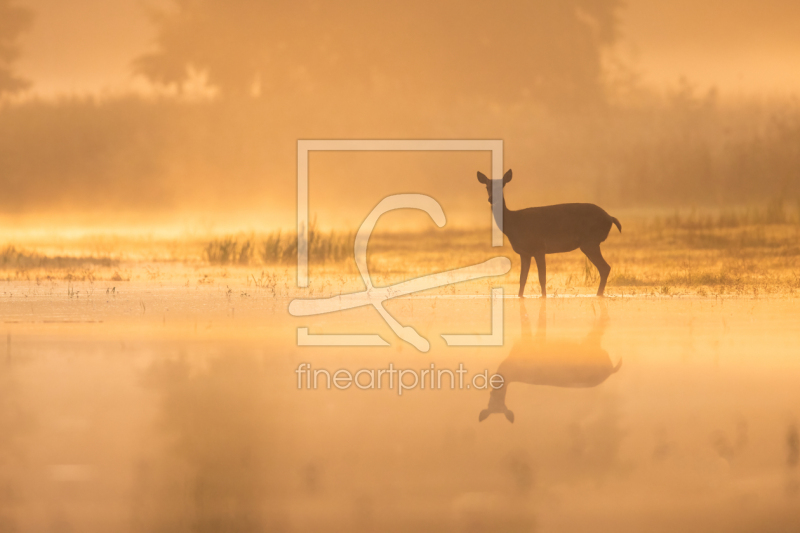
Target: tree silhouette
(548,50)
(13,21)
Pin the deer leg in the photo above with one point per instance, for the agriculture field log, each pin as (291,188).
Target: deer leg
(592,251)
(523,273)
(541,266)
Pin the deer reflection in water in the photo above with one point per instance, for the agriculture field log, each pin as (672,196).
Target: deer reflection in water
(536,361)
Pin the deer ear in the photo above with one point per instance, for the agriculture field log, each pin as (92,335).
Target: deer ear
(484,415)
(507,177)
(482,178)
(510,416)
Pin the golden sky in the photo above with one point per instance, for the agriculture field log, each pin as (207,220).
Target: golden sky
(739,46)
(747,46)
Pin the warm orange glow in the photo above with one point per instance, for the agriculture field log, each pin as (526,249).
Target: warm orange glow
(158,322)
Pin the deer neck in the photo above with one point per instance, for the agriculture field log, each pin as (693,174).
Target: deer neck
(506,213)
(497,399)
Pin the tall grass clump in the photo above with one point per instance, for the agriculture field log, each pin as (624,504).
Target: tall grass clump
(229,250)
(14,258)
(775,211)
(277,248)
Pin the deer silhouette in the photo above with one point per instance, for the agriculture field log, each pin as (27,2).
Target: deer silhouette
(535,361)
(554,229)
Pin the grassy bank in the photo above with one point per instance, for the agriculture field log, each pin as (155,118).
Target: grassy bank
(753,251)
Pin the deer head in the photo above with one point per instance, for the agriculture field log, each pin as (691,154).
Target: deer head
(486,181)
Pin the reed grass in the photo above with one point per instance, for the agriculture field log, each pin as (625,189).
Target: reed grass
(278,248)
(13,258)
(705,252)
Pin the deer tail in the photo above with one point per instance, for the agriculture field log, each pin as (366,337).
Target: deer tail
(617,224)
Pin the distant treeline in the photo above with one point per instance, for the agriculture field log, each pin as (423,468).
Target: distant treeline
(143,155)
